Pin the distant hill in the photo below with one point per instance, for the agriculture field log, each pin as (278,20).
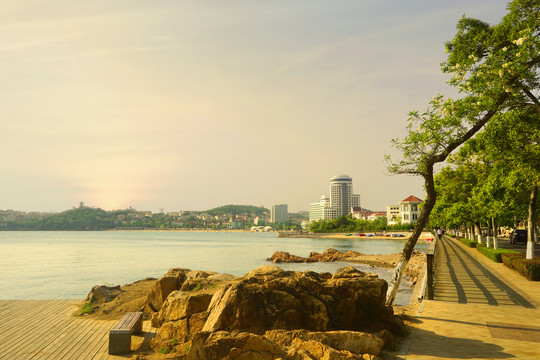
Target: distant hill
(238,209)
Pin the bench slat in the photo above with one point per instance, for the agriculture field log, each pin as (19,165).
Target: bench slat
(128,321)
(120,334)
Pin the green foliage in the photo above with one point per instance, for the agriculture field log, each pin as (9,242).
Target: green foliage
(82,218)
(493,254)
(509,258)
(164,350)
(87,218)
(348,224)
(530,269)
(238,209)
(469,243)
(87,308)
(495,69)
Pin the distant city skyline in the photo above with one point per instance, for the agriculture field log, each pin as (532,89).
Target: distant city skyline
(193,105)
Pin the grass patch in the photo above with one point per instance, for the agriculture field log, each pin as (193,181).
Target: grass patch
(87,309)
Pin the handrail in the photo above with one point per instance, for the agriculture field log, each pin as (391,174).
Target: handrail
(426,290)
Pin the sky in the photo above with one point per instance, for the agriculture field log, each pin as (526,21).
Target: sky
(189,105)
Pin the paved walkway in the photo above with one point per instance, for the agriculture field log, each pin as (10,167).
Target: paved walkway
(481,310)
(47,329)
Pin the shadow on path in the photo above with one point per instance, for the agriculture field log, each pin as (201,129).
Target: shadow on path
(428,343)
(471,279)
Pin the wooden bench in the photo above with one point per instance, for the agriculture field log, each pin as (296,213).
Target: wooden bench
(120,334)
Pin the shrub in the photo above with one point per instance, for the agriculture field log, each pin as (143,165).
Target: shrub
(469,243)
(493,254)
(530,269)
(509,258)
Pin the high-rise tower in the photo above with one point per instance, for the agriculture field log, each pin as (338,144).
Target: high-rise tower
(341,194)
(339,203)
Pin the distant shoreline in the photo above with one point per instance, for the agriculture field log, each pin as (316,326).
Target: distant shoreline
(425,235)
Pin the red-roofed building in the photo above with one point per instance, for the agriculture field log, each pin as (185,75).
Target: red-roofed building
(406,212)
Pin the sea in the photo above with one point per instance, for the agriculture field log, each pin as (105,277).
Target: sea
(67,264)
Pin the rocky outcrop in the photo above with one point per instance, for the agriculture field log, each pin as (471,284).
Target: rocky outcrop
(182,279)
(270,313)
(183,311)
(327,256)
(271,298)
(103,294)
(291,345)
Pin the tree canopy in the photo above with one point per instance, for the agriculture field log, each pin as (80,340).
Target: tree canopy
(495,69)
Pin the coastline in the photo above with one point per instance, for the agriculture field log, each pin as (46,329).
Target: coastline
(372,235)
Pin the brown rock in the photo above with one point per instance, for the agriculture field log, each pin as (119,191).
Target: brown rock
(285,257)
(168,283)
(271,298)
(233,346)
(317,350)
(327,256)
(180,305)
(102,294)
(352,341)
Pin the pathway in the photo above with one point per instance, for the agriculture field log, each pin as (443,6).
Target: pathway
(481,310)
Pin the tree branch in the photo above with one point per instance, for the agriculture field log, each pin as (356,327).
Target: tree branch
(533,98)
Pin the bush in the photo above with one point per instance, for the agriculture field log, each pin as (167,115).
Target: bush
(529,269)
(469,243)
(509,258)
(493,254)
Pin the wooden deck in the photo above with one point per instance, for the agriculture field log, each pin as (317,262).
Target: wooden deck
(47,329)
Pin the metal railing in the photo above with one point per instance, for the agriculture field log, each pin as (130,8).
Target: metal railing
(426,290)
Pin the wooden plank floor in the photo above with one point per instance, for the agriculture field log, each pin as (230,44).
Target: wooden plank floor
(47,329)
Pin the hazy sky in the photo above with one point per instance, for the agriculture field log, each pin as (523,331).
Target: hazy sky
(189,105)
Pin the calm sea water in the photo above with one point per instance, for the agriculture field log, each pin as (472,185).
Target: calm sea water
(66,265)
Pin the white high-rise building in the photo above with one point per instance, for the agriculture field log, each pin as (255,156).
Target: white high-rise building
(279,214)
(341,194)
(340,201)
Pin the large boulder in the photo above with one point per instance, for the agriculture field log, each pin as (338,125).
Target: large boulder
(327,256)
(184,312)
(102,294)
(270,298)
(182,279)
(233,346)
(165,285)
(291,345)
(352,341)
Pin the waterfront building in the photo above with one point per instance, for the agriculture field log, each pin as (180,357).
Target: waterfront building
(406,212)
(316,209)
(339,202)
(279,213)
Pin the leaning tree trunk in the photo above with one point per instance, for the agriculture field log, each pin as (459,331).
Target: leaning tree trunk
(531,223)
(419,226)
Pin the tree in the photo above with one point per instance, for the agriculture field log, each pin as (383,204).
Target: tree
(512,142)
(495,68)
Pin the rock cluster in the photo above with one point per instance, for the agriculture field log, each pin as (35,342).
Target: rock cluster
(327,256)
(101,294)
(270,313)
